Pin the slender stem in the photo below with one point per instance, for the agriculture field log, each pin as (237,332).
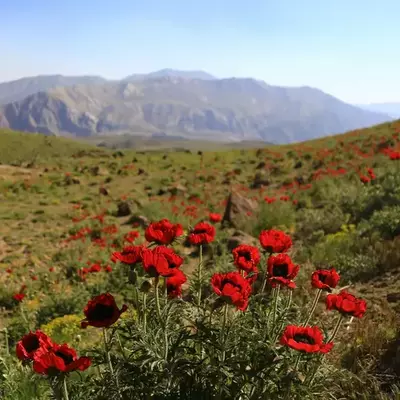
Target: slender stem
(275,306)
(336,329)
(156,285)
(265,276)
(144,312)
(296,365)
(200,274)
(65,387)
(331,338)
(287,307)
(313,306)
(110,366)
(223,336)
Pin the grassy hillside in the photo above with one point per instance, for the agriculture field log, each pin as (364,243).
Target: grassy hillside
(338,198)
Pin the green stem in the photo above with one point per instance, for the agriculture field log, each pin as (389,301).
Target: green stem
(144,312)
(200,274)
(287,307)
(336,329)
(313,306)
(275,306)
(296,365)
(110,366)
(65,388)
(156,284)
(223,336)
(331,338)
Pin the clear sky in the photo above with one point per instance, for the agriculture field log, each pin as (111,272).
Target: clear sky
(348,48)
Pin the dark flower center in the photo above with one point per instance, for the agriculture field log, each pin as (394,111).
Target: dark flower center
(280,270)
(301,338)
(68,359)
(227,281)
(101,312)
(246,255)
(200,231)
(31,344)
(323,278)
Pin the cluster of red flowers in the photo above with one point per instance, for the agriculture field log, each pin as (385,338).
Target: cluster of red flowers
(94,268)
(49,358)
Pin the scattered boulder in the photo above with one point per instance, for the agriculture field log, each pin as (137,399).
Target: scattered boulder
(97,171)
(261,165)
(103,191)
(238,238)
(123,209)
(178,189)
(138,220)
(259,181)
(237,209)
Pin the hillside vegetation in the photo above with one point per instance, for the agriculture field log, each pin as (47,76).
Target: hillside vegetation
(68,209)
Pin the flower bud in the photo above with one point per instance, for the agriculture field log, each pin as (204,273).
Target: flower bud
(146,286)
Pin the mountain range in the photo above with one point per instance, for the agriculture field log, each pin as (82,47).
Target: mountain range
(189,104)
(392,109)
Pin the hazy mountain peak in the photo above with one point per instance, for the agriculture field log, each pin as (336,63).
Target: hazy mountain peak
(169,72)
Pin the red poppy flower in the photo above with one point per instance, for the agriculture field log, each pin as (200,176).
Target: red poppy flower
(246,257)
(59,358)
(202,233)
(102,311)
(275,241)
(233,288)
(282,271)
(95,268)
(131,236)
(163,232)
(174,261)
(30,343)
(129,255)
(346,304)
(175,282)
(305,339)
(155,263)
(325,279)
(214,217)
(19,297)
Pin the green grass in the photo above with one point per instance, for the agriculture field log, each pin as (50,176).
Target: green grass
(338,221)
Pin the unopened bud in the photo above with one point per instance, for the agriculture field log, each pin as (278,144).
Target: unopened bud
(146,286)
(132,277)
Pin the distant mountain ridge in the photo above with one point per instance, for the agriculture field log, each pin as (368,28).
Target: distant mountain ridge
(392,109)
(190,104)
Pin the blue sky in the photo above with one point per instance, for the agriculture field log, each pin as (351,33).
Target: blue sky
(348,48)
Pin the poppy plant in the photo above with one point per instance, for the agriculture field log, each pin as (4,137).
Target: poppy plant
(175,282)
(233,288)
(155,263)
(325,279)
(163,232)
(246,257)
(174,260)
(274,241)
(102,311)
(305,339)
(215,218)
(282,271)
(58,359)
(30,343)
(346,304)
(202,233)
(129,255)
